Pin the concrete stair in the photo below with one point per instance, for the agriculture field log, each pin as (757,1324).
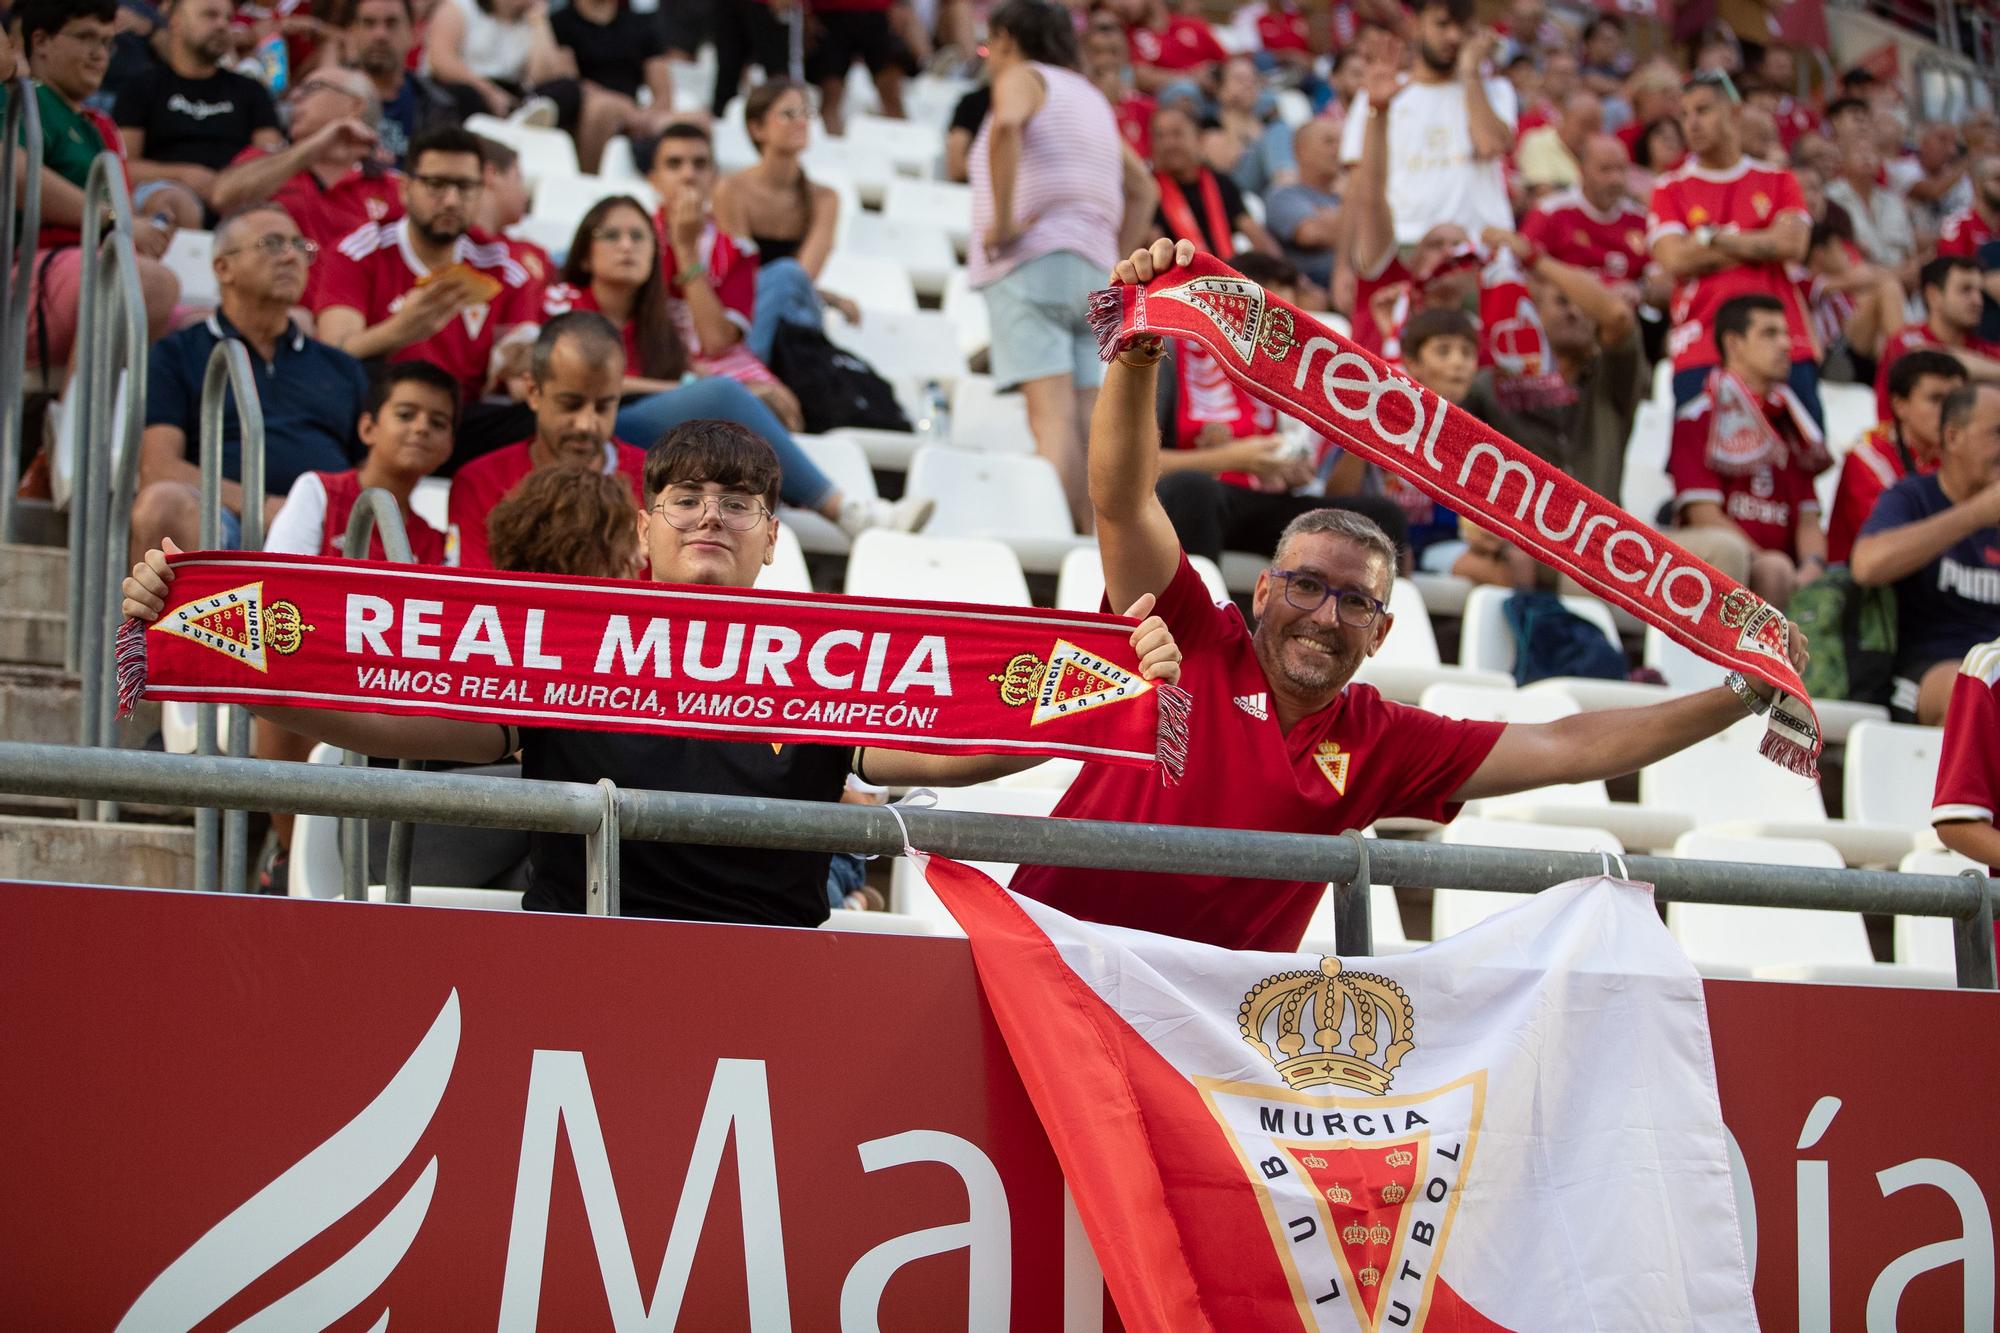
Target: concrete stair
(34,592)
(145,856)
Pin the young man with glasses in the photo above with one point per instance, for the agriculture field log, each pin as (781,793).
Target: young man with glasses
(427,288)
(709,519)
(330,178)
(312,395)
(1284,741)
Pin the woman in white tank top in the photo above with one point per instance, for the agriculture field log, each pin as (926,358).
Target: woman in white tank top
(1053,188)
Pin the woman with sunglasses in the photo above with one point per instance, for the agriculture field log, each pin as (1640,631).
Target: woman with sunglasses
(613,267)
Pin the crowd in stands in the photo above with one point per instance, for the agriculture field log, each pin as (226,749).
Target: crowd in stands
(1531,208)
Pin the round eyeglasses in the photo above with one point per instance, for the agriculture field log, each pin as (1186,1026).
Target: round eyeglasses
(1309,592)
(738,513)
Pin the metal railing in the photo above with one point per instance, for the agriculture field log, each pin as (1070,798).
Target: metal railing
(605,814)
(228,373)
(20,234)
(375,512)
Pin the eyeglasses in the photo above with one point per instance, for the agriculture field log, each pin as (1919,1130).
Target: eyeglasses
(1309,592)
(274,246)
(739,513)
(636,235)
(89,42)
(692,163)
(443,185)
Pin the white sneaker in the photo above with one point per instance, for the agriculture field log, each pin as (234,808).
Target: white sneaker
(860,513)
(539,113)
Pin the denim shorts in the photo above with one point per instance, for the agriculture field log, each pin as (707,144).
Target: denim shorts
(1038,314)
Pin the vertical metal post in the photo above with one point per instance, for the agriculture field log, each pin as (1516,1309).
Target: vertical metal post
(1972,939)
(124,335)
(103,191)
(229,373)
(795,43)
(600,853)
(20,233)
(354,844)
(1353,921)
(375,511)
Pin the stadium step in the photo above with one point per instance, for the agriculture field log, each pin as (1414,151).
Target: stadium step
(34,592)
(158,856)
(42,706)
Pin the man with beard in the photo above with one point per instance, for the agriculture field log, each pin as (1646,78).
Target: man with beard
(1595,226)
(1286,742)
(184,117)
(576,369)
(423,288)
(1952,301)
(380,35)
(1450,129)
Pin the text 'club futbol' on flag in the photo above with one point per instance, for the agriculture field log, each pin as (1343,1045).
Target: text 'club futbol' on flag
(733,664)
(1513,1130)
(1309,371)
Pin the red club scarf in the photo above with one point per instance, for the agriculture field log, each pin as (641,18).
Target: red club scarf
(602,654)
(1514,342)
(1174,206)
(1743,437)
(1308,371)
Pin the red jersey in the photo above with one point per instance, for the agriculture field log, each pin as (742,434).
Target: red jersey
(561,298)
(1962,234)
(1968,780)
(485,481)
(1749,197)
(1766,503)
(1134,114)
(373,269)
(541,269)
(314,518)
(1611,245)
(732,270)
(1908,339)
(1358,760)
(1281,28)
(1186,43)
(1794,119)
(1877,461)
(325,214)
(1381,304)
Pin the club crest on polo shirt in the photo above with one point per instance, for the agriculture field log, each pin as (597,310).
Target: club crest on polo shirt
(237,624)
(1358,1180)
(1333,765)
(1072,681)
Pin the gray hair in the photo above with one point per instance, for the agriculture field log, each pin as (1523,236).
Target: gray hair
(1347,523)
(226,228)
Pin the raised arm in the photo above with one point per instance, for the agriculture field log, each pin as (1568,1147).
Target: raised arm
(1898,552)
(1374,222)
(1599,303)
(1491,135)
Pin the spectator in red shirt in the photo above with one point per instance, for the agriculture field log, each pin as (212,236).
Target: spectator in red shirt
(504,199)
(1169,48)
(426,288)
(1722,227)
(1198,203)
(1107,63)
(1952,302)
(1779,72)
(1744,456)
(1290,740)
(1595,226)
(1968,782)
(329,178)
(1902,443)
(1964,232)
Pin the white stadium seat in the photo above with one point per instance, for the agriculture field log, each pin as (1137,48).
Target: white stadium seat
(544,153)
(1486,640)
(916,147)
(1722,780)
(987,421)
(1926,941)
(965,306)
(620,161)
(1014,499)
(863,164)
(873,283)
(943,204)
(191,257)
(920,345)
(844,463)
(566,197)
(924,249)
(1409,662)
(1080,585)
(787,571)
(975,570)
(431,502)
(1890,773)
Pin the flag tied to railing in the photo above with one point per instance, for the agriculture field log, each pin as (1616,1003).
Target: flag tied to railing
(732,664)
(1513,1130)
(1306,370)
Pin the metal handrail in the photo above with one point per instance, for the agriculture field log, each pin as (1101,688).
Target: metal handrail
(375,511)
(103,189)
(20,236)
(229,372)
(737,821)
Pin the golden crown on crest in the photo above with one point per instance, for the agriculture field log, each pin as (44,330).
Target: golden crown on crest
(1339,1194)
(1369,1277)
(1399,1157)
(1348,1016)
(1380,1234)
(1394,1193)
(1354,1234)
(284,627)
(1312,1161)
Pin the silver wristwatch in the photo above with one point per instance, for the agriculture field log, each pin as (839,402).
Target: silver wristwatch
(1755,704)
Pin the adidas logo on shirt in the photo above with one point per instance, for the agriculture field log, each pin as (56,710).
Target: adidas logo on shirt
(1256,705)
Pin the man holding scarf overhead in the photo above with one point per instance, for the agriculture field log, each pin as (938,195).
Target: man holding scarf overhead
(710,520)
(1284,740)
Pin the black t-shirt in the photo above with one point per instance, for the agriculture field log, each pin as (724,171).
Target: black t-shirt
(611,55)
(1232,209)
(205,122)
(685,881)
(970,113)
(1952,603)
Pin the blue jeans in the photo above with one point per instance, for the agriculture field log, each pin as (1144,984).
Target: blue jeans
(644,420)
(1804,382)
(785,295)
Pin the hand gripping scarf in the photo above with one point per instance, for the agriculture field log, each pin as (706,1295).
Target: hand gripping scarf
(1308,371)
(729,664)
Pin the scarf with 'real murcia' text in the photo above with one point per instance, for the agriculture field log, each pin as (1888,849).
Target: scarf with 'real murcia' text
(732,664)
(1308,371)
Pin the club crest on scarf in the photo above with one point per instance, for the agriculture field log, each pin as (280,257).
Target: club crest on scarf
(1072,681)
(1742,437)
(237,624)
(1514,341)
(1358,1179)
(1237,308)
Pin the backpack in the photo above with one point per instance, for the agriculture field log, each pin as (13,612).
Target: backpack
(1853,634)
(834,387)
(1552,640)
